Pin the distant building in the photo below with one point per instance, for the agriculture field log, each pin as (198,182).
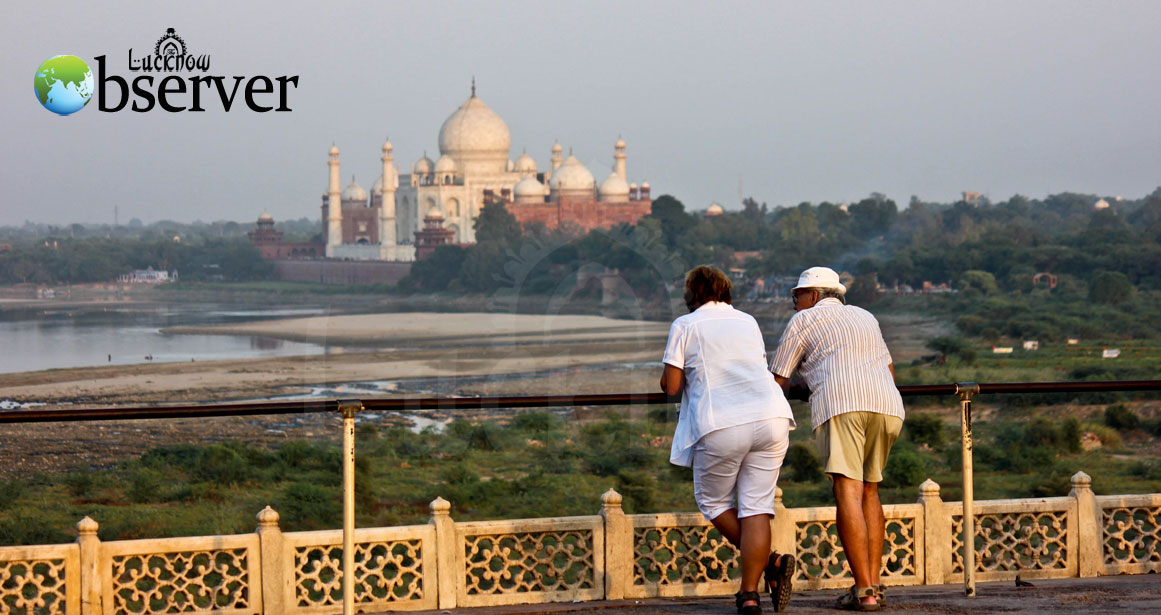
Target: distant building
(1032,345)
(1001,350)
(1101,204)
(971,197)
(714,210)
(144,276)
(269,242)
(473,167)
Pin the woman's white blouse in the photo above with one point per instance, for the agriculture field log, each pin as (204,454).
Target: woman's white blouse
(727,383)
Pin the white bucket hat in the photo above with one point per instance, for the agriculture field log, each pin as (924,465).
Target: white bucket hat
(820,277)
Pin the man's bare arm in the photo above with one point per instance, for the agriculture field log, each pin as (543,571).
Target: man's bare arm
(672,380)
(782,382)
(890,366)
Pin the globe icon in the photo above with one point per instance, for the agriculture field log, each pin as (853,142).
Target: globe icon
(63,84)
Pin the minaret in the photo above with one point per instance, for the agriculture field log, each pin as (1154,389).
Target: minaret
(387,204)
(619,158)
(334,206)
(557,152)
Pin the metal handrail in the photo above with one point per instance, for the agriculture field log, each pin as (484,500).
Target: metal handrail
(535,401)
(348,408)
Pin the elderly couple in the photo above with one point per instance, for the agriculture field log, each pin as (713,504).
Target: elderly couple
(735,423)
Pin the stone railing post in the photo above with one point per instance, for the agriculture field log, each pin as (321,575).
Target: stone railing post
(782,535)
(618,546)
(936,535)
(275,578)
(1090,527)
(91,582)
(445,553)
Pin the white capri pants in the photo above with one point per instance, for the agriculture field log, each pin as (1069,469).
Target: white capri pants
(740,463)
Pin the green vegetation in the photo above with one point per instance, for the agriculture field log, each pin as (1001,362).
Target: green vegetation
(537,465)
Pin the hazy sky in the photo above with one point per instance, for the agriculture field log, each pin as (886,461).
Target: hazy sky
(798,101)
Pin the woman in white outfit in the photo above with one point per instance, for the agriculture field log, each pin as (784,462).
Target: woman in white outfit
(733,428)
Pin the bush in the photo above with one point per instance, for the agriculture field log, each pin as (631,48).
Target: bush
(1108,436)
(1121,418)
(145,486)
(537,422)
(639,490)
(925,429)
(1042,432)
(307,506)
(222,465)
(904,469)
(478,436)
(803,463)
(10,491)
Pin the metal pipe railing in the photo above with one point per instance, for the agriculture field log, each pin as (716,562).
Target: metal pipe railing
(349,408)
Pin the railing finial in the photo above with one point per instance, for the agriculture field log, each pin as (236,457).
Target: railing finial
(611,499)
(87,526)
(267,517)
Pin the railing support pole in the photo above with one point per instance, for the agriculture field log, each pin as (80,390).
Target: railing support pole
(349,408)
(965,391)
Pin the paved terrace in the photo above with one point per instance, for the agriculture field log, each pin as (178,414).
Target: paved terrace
(1139,593)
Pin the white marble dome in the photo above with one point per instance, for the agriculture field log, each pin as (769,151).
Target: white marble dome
(524,164)
(614,189)
(445,164)
(423,166)
(474,130)
(572,176)
(354,192)
(529,187)
(266,217)
(714,210)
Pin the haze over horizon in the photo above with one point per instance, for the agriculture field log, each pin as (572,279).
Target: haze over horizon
(793,102)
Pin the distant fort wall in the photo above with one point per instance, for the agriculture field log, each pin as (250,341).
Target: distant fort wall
(340,271)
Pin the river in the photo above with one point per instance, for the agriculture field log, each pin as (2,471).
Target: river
(47,336)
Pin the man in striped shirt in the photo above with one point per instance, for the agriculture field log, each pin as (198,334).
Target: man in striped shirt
(856,414)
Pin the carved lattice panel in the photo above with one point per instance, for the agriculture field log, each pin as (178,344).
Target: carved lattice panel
(1133,536)
(677,555)
(384,572)
(181,582)
(529,562)
(820,555)
(1017,541)
(33,586)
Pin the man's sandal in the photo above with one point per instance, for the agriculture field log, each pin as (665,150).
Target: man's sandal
(881,596)
(780,579)
(852,599)
(753,609)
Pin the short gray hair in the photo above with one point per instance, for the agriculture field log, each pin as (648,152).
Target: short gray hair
(830,293)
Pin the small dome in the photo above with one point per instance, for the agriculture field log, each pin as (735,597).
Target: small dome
(445,165)
(525,164)
(266,217)
(334,150)
(1101,204)
(529,187)
(644,185)
(354,192)
(434,214)
(614,189)
(572,176)
(620,143)
(714,210)
(387,146)
(423,166)
(556,148)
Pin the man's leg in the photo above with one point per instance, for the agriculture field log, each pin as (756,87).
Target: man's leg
(751,535)
(852,528)
(876,529)
(727,523)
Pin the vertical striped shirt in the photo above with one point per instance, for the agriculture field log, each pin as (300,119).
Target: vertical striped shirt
(841,355)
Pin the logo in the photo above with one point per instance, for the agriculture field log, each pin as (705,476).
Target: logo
(63,84)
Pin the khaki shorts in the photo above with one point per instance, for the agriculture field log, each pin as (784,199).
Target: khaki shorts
(855,444)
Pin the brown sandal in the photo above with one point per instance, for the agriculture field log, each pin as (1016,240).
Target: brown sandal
(852,599)
(780,579)
(754,609)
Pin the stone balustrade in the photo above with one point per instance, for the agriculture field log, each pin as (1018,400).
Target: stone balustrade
(445,564)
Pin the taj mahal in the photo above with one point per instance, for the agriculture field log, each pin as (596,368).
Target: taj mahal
(443,198)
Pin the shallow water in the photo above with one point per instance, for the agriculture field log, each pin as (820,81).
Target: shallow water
(65,337)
